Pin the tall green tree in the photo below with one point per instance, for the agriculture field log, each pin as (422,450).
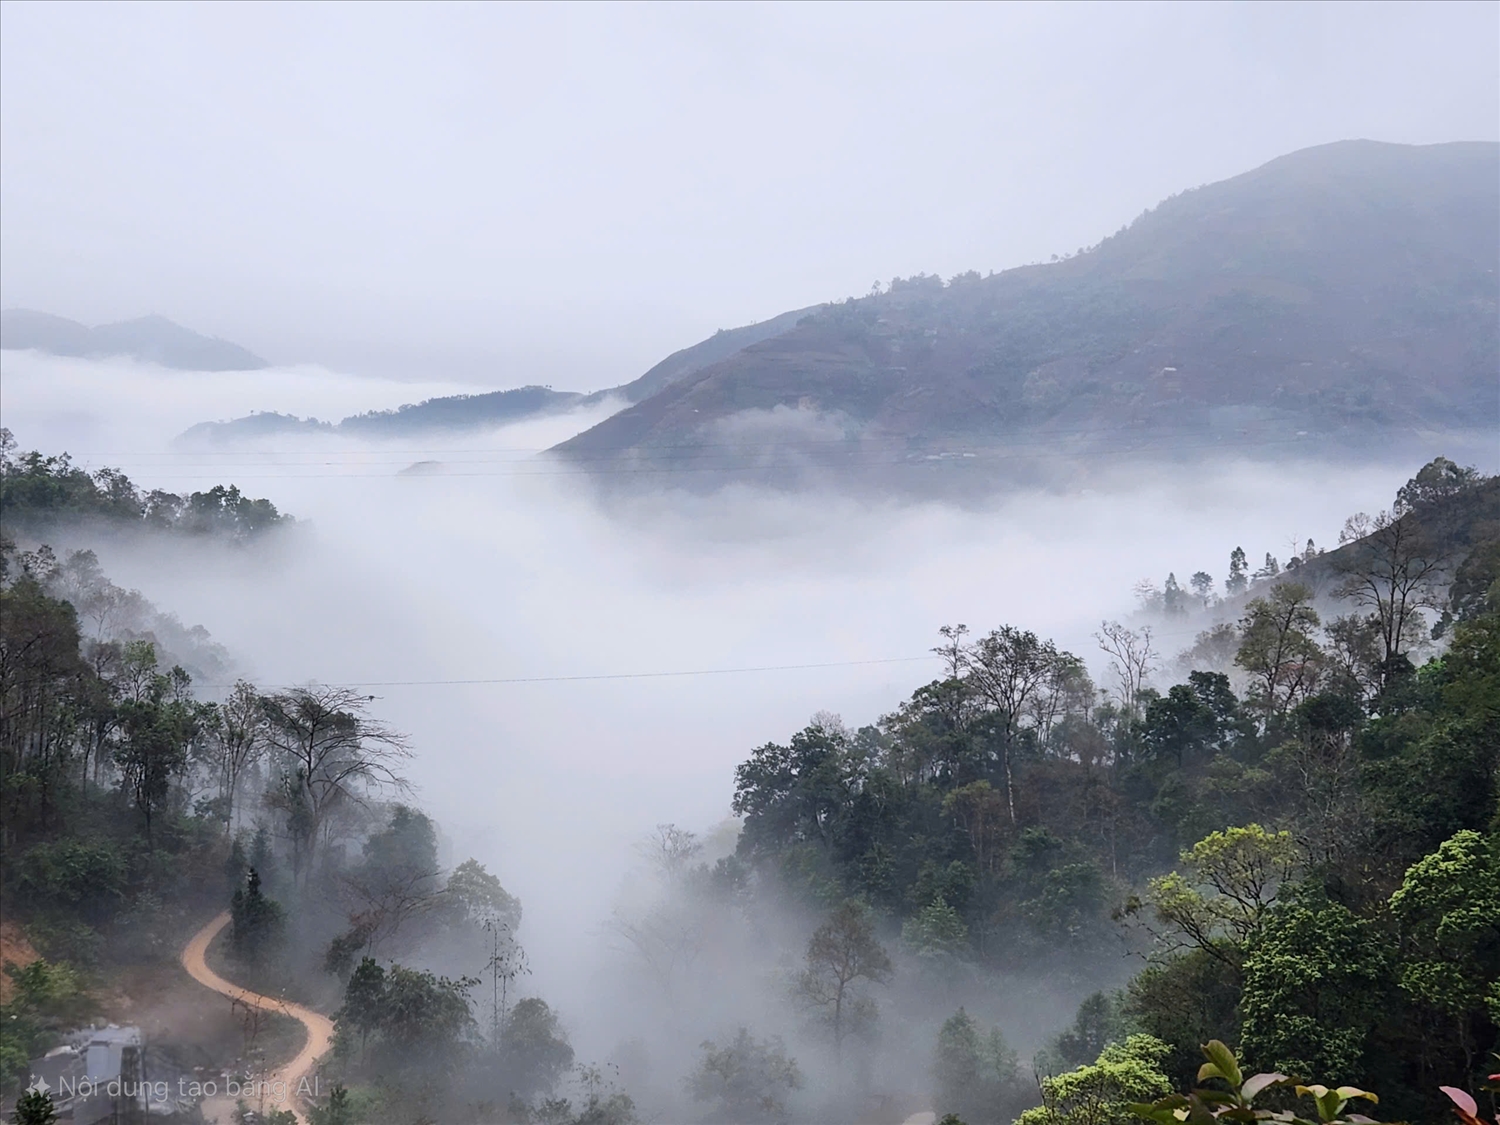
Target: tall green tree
(975,1074)
(158,724)
(1449,910)
(258,923)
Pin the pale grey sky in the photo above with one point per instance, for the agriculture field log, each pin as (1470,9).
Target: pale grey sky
(565,193)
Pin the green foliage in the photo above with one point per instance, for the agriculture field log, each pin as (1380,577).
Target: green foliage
(362,1010)
(597,1109)
(47,998)
(34,1108)
(745,1080)
(1449,908)
(987,830)
(156,728)
(534,1050)
(477,896)
(1100,1021)
(407,846)
(1193,721)
(36,490)
(1432,766)
(77,875)
(1437,481)
(1102,1092)
(1068,905)
(259,923)
(1279,650)
(1232,879)
(1185,1001)
(338,1110)
(1236,1100)
(1317,980)
(975,1074)
(936,930)
(424,1019)
(408,1021)
(792,794)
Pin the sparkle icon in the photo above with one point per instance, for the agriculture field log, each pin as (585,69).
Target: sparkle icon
(38,1086)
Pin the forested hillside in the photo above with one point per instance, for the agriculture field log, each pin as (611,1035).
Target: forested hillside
(1303,848)
(1290,847)
(40,492)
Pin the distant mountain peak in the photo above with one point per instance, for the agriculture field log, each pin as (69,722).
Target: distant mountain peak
(151,339)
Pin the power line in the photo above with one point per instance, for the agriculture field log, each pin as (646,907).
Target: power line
(621,675)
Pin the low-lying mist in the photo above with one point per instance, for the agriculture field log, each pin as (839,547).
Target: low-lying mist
(420,587)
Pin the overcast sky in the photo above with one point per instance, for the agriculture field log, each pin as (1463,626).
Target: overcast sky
(564,194)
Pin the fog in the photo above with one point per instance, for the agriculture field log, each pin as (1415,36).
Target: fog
(565,194)
(505,569)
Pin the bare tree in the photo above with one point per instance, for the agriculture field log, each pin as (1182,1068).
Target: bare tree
(667,936)
(1132,660)
(952,649)
(506,962)
(236,740)
(332,756)
(385,900)
(670,850)
(1392,568)
(666,932)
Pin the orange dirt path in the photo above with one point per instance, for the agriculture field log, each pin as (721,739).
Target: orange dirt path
(319,1027)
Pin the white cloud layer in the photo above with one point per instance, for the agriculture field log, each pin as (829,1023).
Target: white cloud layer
(495,571)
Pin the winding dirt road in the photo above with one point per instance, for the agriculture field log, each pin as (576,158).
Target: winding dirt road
(319,1028)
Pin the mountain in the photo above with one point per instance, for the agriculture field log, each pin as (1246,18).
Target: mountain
(689,361)
(152,339)
(460,411)
(435,415)
(1333,296)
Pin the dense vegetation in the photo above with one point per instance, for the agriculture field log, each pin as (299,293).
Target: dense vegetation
(131,810)
(1296,848)
(38,491)
(1310,863)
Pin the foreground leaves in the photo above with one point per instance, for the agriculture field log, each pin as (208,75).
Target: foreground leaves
(1206,1105)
